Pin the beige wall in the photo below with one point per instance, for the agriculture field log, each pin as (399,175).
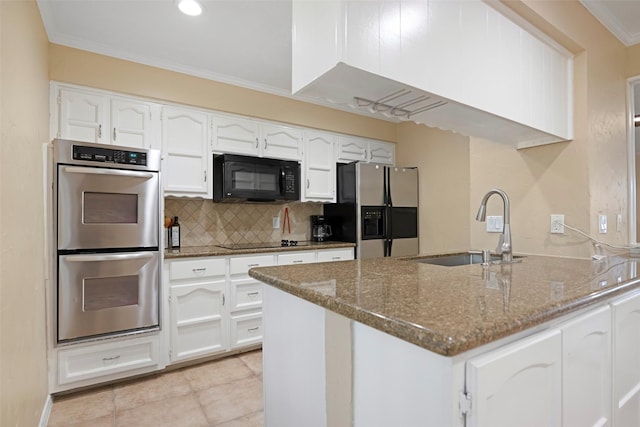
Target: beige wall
(582,178)
(24,125)
(442,159)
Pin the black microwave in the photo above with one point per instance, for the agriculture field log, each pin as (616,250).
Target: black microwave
(254,179)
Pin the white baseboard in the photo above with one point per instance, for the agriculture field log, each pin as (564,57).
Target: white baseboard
(46,412)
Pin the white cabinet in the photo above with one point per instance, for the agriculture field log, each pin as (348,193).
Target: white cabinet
(198,312)
(291,258)
(383,153)
(626,360)
(341,254)
(255,138)
(92,116)
(93,363)
(246,299)
(351,149)
(521,381)
(319,167)
(586,370)
(187,159)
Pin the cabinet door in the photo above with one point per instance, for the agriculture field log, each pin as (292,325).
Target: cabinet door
(626,361)
(199,325)
(586,370)
(82,116)
(238,136)
(281,142)
(518,384)
(351,150)
(131,124)
(383,153)
(187,160)
(319,168)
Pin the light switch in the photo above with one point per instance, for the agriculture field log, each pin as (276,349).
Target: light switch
(495,224)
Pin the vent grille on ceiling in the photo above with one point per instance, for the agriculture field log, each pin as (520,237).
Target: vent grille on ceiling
(401,104)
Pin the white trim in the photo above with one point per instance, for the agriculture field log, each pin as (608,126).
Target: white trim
(46,412)
(631,154)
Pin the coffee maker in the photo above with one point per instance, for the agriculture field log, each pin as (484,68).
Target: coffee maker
(320,230)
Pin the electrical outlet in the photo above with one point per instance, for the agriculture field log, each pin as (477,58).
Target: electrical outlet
(602,224)
(275,222)
(557,224)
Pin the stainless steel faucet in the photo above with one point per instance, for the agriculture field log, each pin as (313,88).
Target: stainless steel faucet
(504,245)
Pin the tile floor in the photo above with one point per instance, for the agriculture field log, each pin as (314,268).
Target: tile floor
(221,393)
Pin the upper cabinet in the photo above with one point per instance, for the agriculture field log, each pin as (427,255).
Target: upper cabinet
(467,68)
(91,116)
(319,167)
(255,138)
(352,149)
(187,159)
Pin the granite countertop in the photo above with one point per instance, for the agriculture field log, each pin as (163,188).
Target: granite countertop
(199,251)
(449,310)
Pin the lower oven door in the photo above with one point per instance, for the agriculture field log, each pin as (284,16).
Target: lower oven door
(107,293)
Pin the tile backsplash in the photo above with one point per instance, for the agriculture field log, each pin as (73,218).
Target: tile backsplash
(204,223)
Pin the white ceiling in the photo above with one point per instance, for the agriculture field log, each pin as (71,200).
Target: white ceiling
(242,42)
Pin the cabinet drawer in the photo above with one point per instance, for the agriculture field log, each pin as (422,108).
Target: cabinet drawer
(241,265)
(197,268)
(246,293)
(297,258)
(246,329)
(100,360)
(335,255)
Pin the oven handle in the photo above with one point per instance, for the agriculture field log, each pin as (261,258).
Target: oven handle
(110,257)
(119,172)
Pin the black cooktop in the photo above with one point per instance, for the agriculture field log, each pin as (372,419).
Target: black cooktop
(282,243)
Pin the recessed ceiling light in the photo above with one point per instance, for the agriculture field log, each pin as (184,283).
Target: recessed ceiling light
(190,7)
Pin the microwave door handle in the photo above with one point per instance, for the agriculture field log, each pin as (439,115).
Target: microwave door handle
(110,257)
(281,181)
(92,171)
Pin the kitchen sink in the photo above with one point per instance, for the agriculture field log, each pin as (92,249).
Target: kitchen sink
(462,258)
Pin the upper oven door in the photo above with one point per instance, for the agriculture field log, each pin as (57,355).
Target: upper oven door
(100,208)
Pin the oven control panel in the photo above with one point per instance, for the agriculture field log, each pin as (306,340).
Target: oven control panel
(108,155)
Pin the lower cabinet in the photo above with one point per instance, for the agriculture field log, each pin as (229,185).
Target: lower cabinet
(93,363)
(197,292)
(626,361)
(246,297)
(559,377)
(214,305)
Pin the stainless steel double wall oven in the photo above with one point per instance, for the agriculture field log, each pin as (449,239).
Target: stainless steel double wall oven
(107,216)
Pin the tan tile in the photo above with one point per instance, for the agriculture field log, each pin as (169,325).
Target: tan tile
(81,408)
(182,411)
(151,389)
(218,372)
(106,421)
(253,360)
(231,401)
(252,420)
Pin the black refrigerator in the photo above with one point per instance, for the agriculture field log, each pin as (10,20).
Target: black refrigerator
(377,209)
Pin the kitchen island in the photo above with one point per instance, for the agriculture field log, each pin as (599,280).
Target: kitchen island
(397,342)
